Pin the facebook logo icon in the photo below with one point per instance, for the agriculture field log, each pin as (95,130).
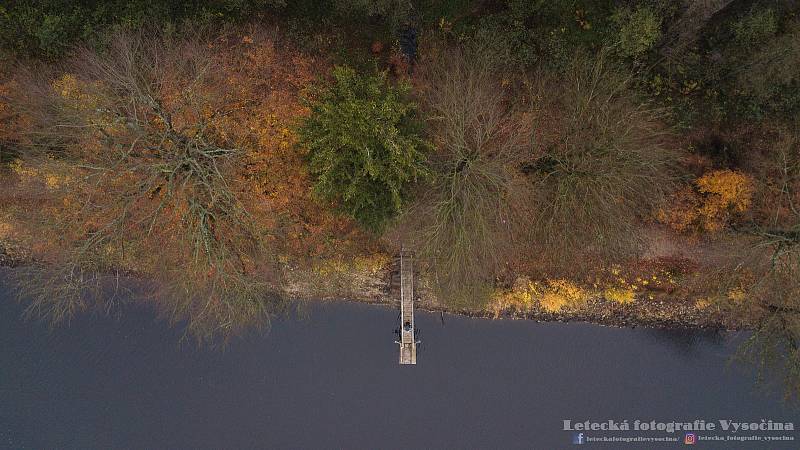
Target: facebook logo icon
(578,438)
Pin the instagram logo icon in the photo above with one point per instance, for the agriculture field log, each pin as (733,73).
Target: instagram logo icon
(690,439)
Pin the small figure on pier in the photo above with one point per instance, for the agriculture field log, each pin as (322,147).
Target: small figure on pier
(408,342)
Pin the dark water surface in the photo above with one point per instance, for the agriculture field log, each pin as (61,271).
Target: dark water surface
(332,380)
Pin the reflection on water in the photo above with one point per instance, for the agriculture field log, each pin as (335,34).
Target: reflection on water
(687,341)
(332,380)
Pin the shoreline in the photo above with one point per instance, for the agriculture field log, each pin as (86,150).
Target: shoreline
(615,319)
(375,290)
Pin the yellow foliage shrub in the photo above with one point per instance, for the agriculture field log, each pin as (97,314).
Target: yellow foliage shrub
(717,196)
(561,294)
(724,191)
(620,295)
(520,297)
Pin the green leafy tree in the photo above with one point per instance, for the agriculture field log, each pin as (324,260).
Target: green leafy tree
(364,145)
(638,30)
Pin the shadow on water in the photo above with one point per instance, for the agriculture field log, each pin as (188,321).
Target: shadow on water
(688,341)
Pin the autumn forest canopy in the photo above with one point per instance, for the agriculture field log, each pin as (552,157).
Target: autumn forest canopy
(538,156)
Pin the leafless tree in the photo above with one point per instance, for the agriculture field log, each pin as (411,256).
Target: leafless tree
(763,268)
(156,184)
(464,217)
(601,160)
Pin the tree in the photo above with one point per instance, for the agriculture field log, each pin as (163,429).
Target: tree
(154,186)
(718,197)
(463,216)
(600,161)
(364,145)
(638,30)
(759,281)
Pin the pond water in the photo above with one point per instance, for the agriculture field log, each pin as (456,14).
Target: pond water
(331,380)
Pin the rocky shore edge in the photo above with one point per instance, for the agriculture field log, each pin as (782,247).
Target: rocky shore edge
(376,289)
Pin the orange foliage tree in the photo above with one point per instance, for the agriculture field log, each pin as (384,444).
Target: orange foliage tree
(266,79)
(715,199)
(177,160)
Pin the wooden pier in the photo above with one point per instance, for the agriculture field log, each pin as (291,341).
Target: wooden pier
(408,342)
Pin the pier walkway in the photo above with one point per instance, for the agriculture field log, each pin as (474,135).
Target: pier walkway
(408,342)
